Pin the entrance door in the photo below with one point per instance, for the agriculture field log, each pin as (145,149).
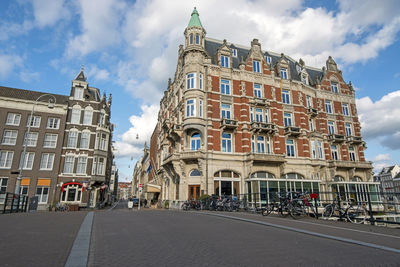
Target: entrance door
(194,191)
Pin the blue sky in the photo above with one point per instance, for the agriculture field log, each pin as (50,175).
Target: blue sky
(129,49)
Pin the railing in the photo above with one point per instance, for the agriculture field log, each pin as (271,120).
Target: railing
(356,140)
(312,111)
(263,127)
(229,123)
(15,203)
(336,138)
(292,130)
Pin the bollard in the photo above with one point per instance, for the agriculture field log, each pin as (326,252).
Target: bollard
(371,216)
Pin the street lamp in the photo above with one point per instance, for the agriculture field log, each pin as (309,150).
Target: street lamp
(51,102)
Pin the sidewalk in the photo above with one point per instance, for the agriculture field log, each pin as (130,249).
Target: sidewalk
(38,239)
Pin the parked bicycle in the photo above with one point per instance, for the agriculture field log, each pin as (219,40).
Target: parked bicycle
(301,205)
(353,213)
(61,207)
(279,204)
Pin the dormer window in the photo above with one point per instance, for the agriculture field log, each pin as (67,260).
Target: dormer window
(284,73)
(225,61)
(197,39)
(256,66)
(78,93)
(304,78)
(234,52)
(268,59)
(191,39)
(334,87)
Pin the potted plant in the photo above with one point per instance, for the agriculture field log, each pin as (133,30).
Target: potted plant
(166,204)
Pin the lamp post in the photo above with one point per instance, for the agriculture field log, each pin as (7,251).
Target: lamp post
(51,102)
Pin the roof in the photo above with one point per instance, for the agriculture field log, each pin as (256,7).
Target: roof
(386,170)
(212,45)
(195,20)
(81,76)
(30,95)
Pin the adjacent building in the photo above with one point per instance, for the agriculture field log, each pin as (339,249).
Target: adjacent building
(124,190)
(237,120)
(389,178)
(68,149)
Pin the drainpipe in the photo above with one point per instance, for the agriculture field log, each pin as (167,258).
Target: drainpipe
(206,137)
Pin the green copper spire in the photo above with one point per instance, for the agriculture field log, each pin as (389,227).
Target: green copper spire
(195,20)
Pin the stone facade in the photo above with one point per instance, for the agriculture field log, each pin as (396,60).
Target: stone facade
(239,120)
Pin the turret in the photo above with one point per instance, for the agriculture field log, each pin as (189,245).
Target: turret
(194,32)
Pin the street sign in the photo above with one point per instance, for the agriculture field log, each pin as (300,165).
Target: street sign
(140,189)
(140,185)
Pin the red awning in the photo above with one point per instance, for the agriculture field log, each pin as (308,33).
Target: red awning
(72,183)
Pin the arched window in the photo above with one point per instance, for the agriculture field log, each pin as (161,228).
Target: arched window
(195,172)
(102,116)
(191,38)
(356,179)
(226,183)
(85,139)
(72,138)
(76,114)
(293,175)
(71,193)
(88,116)
(338,178)
(226,142)
(262,175)
(195,142)
(197,39)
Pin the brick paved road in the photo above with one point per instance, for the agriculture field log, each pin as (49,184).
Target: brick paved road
(172,238)
(38,239)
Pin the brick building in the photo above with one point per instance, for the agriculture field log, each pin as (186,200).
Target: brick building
(237,120)
(69,152)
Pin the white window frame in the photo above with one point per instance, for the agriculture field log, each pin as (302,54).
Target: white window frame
(27,162)
(84,140)
(78,93)
(309,101)
(334,87)
(226,110)
(13,119)
(50,142)
(69,162)
(335,152)
(287,119)
(320,150)
(283,72)
(9,137)
(257,89)
(348,129)
(72,140)
(78,193)
(328,106)
(352,153)
(195,142)
(35,121)
(81,165)
(191,81)
(311,124)
(285,96)
(6,158)
(234,52)
(200,108)
(53,123)
(226,142)
(331,127)
(76,115)
(42,197)
(290,148)
(225,87)
(256,66)
(258,114)
(268,59)
(3,189)
(103,142)
(261,144)
(100,166)
(31,139)
(190,108)
(47,161)
(345,109)
(88,116)
(224,61)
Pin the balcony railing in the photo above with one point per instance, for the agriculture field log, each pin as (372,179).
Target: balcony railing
(229,124)
(259,101)
(263,127)
(175,131)
(260,157)
(356,140)
(292,130)
(336,138)
(312,111)
(192,155)
(347,164)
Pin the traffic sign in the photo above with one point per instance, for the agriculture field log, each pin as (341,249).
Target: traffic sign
(140,185)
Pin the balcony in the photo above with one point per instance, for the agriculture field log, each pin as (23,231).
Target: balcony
(313,112)
(259,102)
(292,130)
(336,138)
(189,156)
(229,124)
(355,140)
(266,158)
(168,159)
(346,164)
(175,131)
(263,127)
(166,124)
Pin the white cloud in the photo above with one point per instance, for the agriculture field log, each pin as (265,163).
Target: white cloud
(100,26)
(47,13)
(382,157)
(95,74)
(380,119)
(8,63)
(27,76)
(132,141)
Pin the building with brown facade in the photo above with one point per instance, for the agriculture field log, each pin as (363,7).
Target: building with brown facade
(238,120)
(68,150)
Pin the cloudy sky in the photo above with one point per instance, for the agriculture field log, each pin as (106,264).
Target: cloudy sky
(129,49)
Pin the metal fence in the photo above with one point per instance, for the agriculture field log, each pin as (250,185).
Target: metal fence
(15,203)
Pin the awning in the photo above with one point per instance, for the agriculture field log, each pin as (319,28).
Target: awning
(72,183)
(153,188)
(25,181)
(43,182)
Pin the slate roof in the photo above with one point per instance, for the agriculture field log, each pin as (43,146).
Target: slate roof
(212,45)
(386,170)
(30,95)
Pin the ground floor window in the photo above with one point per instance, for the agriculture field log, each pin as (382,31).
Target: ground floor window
(42,192)
(23,190)
(261,192)
(226,188)
(71,193)
(356,191)
(3,189)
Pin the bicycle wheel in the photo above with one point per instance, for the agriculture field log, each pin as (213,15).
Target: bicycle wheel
(283,209)
(267,210)
(357,214)
(296,210)
(328,211)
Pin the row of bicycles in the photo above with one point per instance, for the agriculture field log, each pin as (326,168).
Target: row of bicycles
(293,204)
